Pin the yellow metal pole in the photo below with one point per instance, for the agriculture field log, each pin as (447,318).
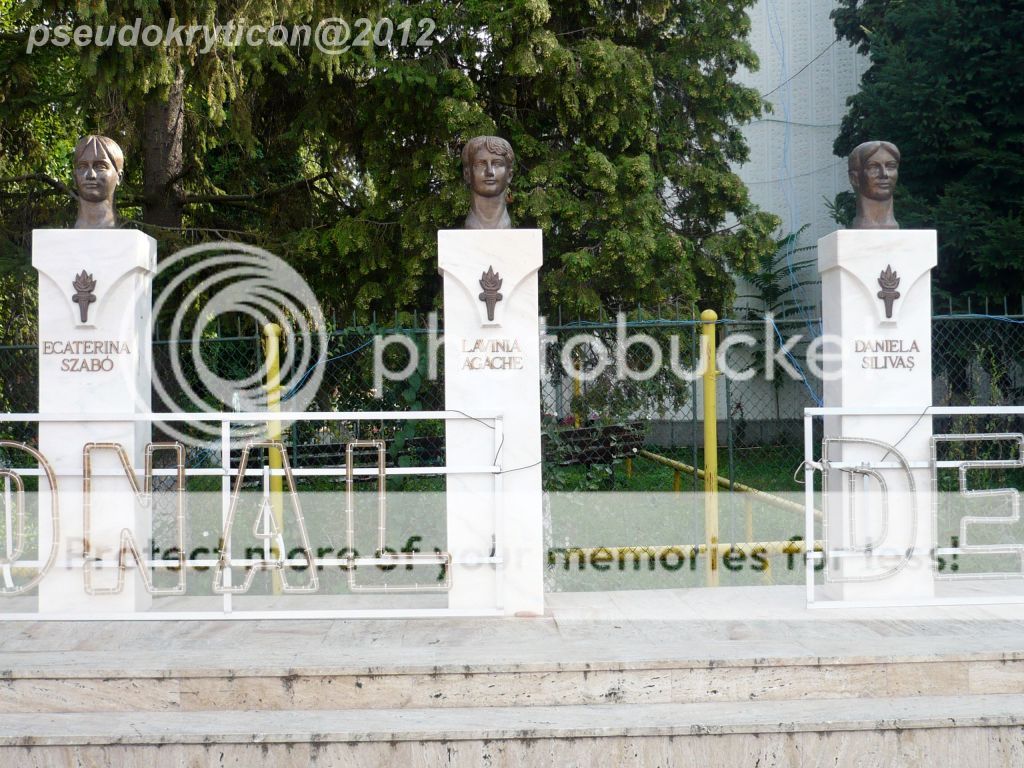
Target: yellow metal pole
(272,352)
(708,319)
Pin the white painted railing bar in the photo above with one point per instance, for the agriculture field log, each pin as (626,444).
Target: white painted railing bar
(887,465)
(234,417)
(283,614)
(311,472)
(427,559)
(973,410)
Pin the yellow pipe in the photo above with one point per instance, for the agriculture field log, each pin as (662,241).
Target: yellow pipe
(708,319)
(272,352)
(723,482)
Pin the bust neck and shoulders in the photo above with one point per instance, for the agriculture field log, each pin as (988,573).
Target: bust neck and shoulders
(481,218)
(874,214)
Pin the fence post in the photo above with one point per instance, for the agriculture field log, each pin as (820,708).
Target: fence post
(708,319)
(729,432)
(272,337)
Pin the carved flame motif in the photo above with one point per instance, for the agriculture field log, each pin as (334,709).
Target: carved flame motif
(84,296)
(84,282)
(490,281)
(889,281)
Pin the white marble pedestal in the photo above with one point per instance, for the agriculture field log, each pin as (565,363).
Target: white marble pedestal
(885,332)
(94,362)
(492,364)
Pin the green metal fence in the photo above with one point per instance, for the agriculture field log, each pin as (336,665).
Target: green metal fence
(594,419)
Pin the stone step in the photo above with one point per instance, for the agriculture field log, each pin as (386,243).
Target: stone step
(136,686)
(965,731)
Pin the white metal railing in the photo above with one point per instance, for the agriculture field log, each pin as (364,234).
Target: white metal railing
(931,464)
(230,476)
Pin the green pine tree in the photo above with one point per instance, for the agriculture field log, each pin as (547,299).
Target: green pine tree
(625,118)
(946,83)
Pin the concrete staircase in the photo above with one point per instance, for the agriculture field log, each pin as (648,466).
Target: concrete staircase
(874,691)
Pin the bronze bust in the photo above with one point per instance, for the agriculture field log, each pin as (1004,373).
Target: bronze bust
(99,167)
(874,167)
(487,166)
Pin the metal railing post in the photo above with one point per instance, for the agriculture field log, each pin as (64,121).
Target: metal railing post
(729,429)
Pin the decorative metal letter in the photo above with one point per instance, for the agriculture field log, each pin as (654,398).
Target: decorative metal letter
(18,531)
(127,544)
(970,524)
(865,469)
(444,559)
(224,560)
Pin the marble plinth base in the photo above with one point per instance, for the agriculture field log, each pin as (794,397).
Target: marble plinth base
(95,362)
(492,365)
(876,300)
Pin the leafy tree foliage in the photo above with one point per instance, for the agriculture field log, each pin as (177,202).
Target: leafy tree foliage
(945,85)
(624,116)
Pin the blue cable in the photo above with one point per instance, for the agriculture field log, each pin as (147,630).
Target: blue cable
(799,368)
(322,361)
(609,324)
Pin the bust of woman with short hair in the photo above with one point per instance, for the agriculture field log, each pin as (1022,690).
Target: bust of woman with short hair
(99,168)
(487,166)
(874,167)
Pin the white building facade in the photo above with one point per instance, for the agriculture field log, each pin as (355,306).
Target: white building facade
(807,75)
